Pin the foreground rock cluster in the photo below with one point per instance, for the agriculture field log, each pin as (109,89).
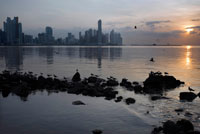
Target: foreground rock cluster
(180,127)
(22,84)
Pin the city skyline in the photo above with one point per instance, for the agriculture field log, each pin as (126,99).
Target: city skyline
(161,22)
(12,34)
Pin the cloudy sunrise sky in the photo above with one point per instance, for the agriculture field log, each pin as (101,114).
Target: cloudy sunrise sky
(157,21)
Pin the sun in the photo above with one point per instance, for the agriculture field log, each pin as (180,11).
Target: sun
(188,29)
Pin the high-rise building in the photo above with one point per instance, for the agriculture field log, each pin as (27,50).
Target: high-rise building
(99,32)
(115,38)
(49,35)
(13,30)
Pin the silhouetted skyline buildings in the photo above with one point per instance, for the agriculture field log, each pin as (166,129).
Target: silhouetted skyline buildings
(13,35)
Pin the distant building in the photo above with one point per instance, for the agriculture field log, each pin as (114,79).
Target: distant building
(49,35)
(13,31)
(28,39)
(115,38)
(99,32)
(41,38)
(3,38)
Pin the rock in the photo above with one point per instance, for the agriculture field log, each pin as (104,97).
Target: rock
(138,89)
(136,83)
(78,103)
(180,127)
(118,99)
(130,101)
(97,131)
(185,125)
(112,82)
(92,79)
(188,96)
(198,94)
(76,77)
(179,110)
(169,127)
(157,82)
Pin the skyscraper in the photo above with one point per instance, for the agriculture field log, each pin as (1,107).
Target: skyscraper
(99,32)
(49,35)
(13,30)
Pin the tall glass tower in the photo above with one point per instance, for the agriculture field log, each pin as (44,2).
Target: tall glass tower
(99,32)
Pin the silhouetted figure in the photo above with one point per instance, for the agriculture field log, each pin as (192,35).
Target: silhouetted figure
(76,77)
(152,60)
(135,27)
(190,89)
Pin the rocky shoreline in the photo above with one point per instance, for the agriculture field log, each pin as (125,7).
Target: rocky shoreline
(23,84)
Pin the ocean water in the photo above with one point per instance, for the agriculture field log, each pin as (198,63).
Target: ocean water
(50,113)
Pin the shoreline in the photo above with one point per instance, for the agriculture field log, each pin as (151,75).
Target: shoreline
(91,86)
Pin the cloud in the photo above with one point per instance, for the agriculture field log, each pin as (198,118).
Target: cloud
(195,19)
(153,23)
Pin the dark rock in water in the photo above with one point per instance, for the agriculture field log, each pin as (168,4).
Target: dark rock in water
(157,130)
(185,125)
(78,103)
(118,99)
(136,83)
(130,101)
(5,93)
(76,77)
(92,79)
(188,96)
(97,131)
(138,89)
(169,127)
(198,94)
(112,82)
(179,110)
(158,82)
(180,127)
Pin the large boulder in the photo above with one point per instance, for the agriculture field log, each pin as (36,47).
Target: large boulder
(158,82)
(188,96)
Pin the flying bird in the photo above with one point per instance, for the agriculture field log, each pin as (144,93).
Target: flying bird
(135,27)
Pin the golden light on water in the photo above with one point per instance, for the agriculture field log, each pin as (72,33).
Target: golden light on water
(188,54)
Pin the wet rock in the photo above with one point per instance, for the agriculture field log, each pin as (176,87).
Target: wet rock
(118,99)
(180,127)
(198,94)
(138,89)
(185,125)
(76,77)
(125,83)
(169,127)
(112,82)
(136,83)
(157,130)
(130,101)
(187,96)
(92,79)
(179,110)
(158,82)
(97,131)
(78,103)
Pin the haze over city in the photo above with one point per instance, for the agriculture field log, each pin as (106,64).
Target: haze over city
(158,21)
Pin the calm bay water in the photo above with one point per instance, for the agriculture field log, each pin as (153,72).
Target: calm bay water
(54,113)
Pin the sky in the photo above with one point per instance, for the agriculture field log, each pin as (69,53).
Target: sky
(157,21)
